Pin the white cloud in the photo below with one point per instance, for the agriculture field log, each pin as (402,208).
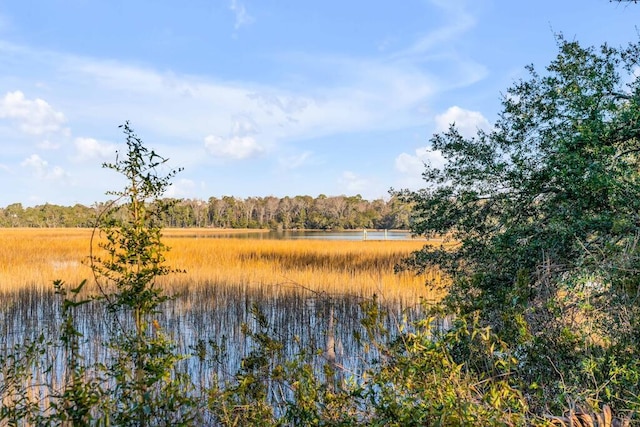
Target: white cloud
(235,147)
(49,145)
(365,95)
(408,164)
(353,182)
(411,166)
(35,117)
(89,148)
(36,162)
(295,161)
(181,188)
(414,164)
(240,12)
(42,169)
(240,144)
(327,95)
(467,122)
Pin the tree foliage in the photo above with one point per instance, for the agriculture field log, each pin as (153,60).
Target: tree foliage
(545,210)
(130,260)
(298,212)
(556,179)
(133,251)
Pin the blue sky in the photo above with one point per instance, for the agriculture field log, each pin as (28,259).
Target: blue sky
(263,97)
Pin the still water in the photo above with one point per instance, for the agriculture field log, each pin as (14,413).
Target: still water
(208,321)
(310,235)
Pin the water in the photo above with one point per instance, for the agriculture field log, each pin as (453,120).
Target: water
(345,235)
(210,318)
(309,235)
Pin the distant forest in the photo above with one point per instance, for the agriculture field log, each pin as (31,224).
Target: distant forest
(299,212)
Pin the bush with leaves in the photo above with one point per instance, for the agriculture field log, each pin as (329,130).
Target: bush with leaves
(544,205)
(418,377)
(140,383)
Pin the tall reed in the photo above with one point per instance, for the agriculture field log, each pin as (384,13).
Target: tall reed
(34,257)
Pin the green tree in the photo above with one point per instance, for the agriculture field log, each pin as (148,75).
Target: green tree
(13,214)
(543,207)
(556,179)
(132,259)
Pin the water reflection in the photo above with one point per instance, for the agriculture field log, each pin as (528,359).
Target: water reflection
(208,320)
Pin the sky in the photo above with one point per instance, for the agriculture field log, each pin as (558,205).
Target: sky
(264,97)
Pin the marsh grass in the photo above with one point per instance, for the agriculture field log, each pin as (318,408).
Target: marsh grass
(32,258)
(300,286)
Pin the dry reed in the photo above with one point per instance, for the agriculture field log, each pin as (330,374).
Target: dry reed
(35,257)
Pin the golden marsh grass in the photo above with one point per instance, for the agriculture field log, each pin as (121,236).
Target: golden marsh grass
(35,257)
(304,288)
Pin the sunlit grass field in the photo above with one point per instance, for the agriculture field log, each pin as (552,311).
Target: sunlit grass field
(33,258)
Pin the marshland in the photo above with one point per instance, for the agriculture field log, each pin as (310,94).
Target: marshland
(525,311)
(301,286)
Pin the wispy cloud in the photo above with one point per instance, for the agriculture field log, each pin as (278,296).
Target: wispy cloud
(199,117)
(438,46)
(457,21)
(241,15)
(353,183)
(42,169)
(295,161)
(363,94)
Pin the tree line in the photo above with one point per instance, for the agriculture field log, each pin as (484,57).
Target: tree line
(299,212)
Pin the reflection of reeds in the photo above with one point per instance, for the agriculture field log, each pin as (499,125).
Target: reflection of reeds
(34,257)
